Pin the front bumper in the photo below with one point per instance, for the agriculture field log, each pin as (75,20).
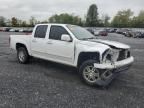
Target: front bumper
(117,66)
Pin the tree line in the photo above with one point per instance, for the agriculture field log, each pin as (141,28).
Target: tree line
(123,18)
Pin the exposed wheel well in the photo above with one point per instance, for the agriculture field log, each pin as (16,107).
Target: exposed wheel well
(19,45)
(86,56)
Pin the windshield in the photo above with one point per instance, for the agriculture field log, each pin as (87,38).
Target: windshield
(80,33)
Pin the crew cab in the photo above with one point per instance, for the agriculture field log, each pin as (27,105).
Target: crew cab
(98,61)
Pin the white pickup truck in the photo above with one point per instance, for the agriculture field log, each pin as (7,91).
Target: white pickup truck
(98,61)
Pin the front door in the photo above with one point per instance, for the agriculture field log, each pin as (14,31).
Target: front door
(58,50)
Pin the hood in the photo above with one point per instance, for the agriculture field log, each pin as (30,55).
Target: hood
(92,46)
(111,43)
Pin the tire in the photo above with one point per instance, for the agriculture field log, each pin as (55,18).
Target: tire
(96,77)
(22,55)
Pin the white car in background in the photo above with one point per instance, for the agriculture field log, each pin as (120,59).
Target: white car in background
(12,30)
(96,32)
(21,30)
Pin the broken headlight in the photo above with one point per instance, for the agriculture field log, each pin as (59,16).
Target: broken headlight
(111,55)
(107,56)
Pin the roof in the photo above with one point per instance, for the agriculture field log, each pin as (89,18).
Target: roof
(53,24)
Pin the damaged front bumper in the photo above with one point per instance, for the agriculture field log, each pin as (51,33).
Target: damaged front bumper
(116,66)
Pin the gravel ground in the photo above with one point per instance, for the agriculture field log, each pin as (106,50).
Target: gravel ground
(43,84)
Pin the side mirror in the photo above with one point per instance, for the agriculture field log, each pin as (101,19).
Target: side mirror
(66,37)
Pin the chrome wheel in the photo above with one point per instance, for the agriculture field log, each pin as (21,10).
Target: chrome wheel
(91,74)
(21,56)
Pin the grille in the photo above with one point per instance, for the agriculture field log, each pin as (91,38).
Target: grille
(123,54)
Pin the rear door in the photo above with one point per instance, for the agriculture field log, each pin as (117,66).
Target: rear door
(38,41)
(57,49)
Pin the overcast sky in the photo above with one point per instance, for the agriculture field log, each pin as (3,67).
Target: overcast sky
(42,9)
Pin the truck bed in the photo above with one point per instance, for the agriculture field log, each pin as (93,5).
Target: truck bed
(23,39)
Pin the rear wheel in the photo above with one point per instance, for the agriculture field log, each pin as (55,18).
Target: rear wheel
(22,55)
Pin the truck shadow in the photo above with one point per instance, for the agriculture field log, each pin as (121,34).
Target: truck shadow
(63,72)
(56,70)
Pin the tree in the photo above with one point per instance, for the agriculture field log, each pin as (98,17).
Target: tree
(8,23)
(100,23)
(43,22)
(122,19)
(65,18)
(92,16)
(2,21)
(139,20)
(14,22)
(106,19)
(24,24)
(32,21)
(19,22)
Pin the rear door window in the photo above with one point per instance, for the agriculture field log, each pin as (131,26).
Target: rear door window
(40,31)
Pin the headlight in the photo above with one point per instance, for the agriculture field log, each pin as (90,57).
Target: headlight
(107,56)
(111,55)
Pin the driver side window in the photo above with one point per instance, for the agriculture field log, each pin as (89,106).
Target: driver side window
(56,32)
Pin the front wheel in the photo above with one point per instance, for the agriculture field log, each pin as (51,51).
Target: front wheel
(93,76)
(22,55)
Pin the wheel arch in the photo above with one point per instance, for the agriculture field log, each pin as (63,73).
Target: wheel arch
(83,56)
(19,45)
